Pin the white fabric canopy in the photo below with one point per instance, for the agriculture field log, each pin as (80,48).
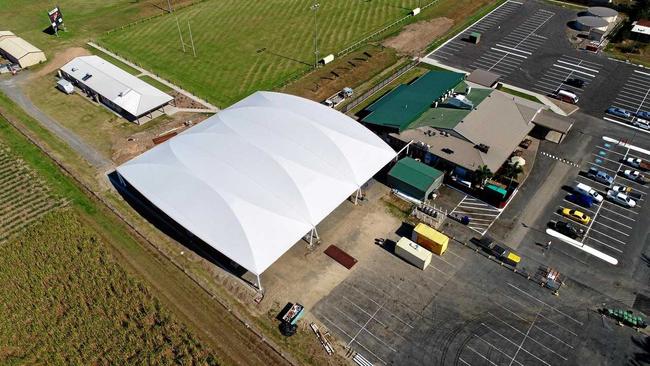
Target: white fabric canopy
(255,178)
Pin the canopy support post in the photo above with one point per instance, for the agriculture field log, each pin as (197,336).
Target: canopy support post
(316,233)
(259,283)
(311,237)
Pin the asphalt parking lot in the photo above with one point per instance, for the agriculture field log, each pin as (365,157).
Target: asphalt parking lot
(634,96)
(480,214)
(530,48)
(465,310)
(612,226)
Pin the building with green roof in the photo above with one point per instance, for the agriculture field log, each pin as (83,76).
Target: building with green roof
(406,103)
(414,178)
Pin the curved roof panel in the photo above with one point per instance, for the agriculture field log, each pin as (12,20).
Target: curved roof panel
(255,178)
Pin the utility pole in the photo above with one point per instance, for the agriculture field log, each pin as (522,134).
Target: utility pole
(315,8)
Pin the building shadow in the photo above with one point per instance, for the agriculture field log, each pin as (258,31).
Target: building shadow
(171,228)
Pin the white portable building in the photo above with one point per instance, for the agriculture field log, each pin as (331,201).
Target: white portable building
(413,253)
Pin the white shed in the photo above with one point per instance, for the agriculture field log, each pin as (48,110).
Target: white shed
(19,51)
(65,86)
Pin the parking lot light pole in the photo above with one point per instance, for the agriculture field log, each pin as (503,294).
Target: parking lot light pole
(315,8)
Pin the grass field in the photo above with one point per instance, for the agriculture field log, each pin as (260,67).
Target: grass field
(66,301)
(83,18)
(243,48)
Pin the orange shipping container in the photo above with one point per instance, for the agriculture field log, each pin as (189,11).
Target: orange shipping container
(430,238)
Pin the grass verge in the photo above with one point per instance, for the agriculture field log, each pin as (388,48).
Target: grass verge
(519,94)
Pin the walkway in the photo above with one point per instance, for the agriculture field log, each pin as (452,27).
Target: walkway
(11,87)
(212,108)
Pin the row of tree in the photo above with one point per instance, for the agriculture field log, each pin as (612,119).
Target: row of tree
(508,171)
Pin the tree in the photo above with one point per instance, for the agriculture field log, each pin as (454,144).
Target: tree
(482,174)
(512,171)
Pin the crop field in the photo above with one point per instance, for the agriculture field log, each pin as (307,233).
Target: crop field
(24,197)
(244,46)
(66,301)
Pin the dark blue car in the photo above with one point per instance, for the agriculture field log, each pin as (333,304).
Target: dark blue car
(619,112)
(643,114)
(581,199)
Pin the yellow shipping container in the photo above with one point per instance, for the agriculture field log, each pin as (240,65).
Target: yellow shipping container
(430,238)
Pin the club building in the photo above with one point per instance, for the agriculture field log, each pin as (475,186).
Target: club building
(105,83)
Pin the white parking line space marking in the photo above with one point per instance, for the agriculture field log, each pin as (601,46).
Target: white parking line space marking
(491,19)
(578,65)
(547,305)
(564,68)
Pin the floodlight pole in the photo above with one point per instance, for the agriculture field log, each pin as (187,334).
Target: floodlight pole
(169,6)
(315,8)
(191,38)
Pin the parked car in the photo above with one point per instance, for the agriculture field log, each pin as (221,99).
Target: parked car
(600,176)
(619,112)
(641,123)
(578,83)
(643,114)
(585,189)
(581,199)
(568,229)
(620,198)
(576,215)
(627,190)
(637,163)
(634,175)
(500,251)
(566,96)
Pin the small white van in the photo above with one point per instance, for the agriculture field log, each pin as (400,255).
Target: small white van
(567,96)
(585,189)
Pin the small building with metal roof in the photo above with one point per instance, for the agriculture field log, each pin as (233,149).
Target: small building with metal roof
(415,179)
(641,30)
(19,51)
(131,97)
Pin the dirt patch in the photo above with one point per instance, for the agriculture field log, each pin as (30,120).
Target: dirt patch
(124,149)
(417,36)
(351,70)
(60,59)
(183,101)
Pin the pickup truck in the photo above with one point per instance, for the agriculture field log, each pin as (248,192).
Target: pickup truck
(600,176)
(500,251)
(338,98)
(568,229)
(638,163)
(634,175)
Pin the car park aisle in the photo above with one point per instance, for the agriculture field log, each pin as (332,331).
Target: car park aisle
(565,68)
(612,225)
(634,98)
(491,20)
(506,55)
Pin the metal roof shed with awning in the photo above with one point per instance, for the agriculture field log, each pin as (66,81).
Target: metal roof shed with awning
(415,179)
(255,178)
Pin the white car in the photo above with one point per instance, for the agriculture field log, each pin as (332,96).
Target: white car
(634,175)
(620,198)
(585,189)
(641,123)
(635,162)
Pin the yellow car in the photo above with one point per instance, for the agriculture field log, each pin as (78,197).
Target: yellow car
(576,215)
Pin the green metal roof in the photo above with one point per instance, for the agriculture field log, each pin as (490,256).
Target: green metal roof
(404,104)
(447,118)
(415,173)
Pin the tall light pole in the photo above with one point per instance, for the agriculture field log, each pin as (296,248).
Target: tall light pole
(315,8)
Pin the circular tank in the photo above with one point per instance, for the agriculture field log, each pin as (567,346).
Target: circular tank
(602,12)
(587,23)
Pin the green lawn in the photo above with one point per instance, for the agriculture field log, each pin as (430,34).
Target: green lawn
(243,48)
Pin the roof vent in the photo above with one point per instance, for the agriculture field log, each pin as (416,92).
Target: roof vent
(447,150)
(74,69)
(482,148)
(86,77)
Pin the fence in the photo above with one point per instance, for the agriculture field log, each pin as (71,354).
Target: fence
(143,20)
(379,86)
(362,41)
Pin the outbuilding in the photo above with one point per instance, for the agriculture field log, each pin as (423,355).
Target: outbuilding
(19,51)
(129,96)
(641,30)
(65,86)
(414,179)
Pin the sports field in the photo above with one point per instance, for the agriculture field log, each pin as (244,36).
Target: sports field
(243,47)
